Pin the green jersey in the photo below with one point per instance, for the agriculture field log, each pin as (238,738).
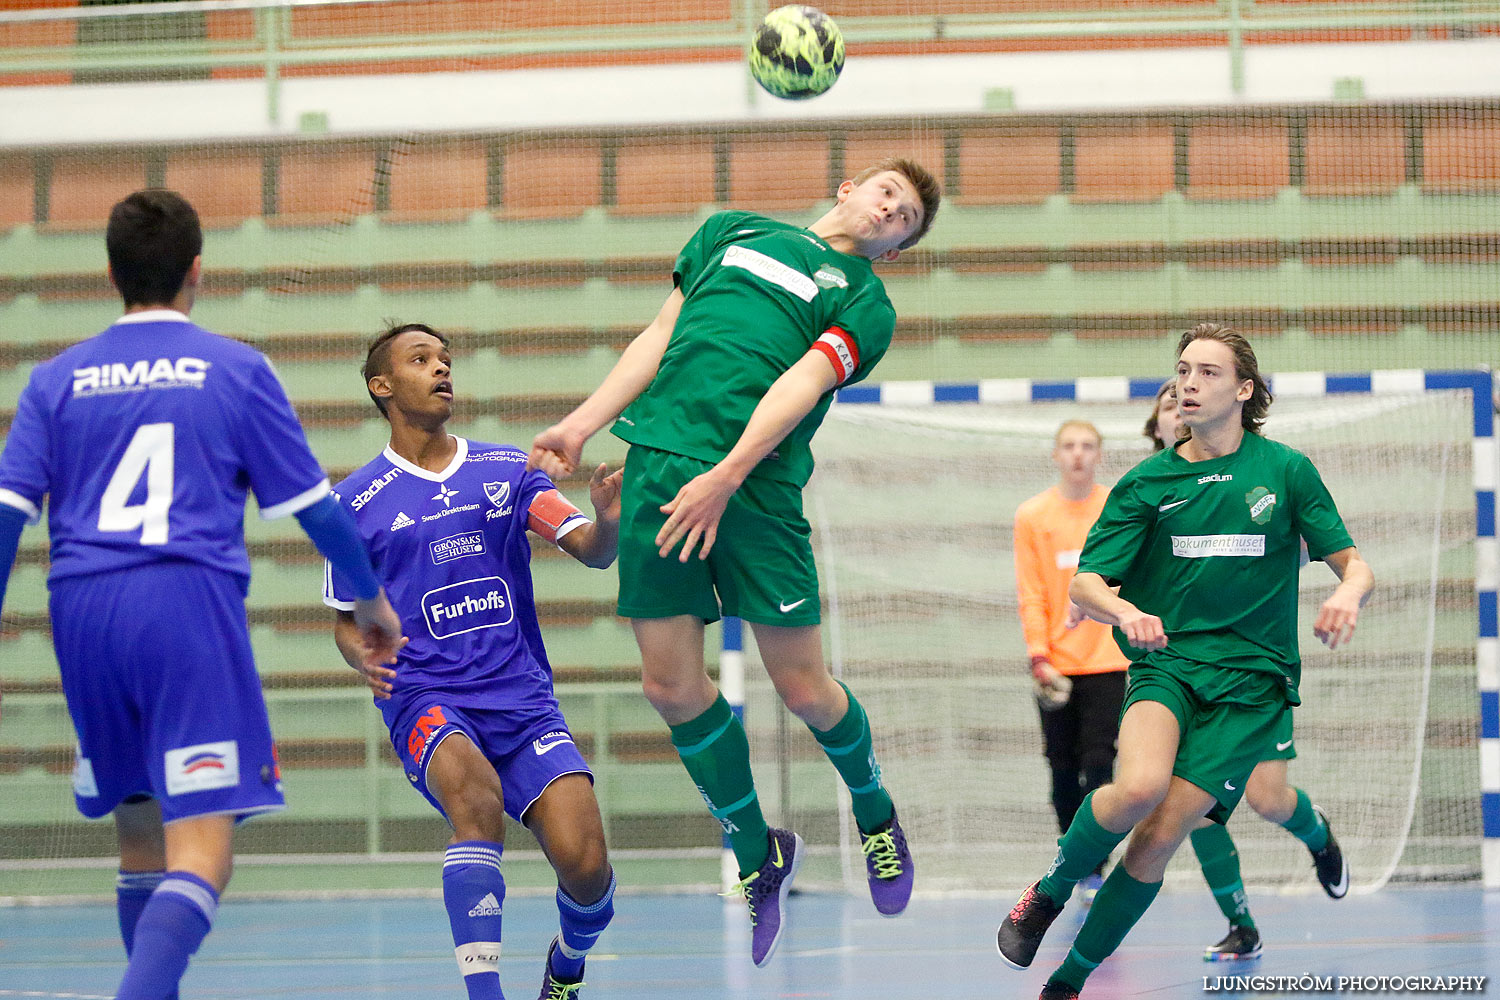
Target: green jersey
(1212,548)
(758,295)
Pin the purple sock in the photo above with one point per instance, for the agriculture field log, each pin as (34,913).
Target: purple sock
(169,929)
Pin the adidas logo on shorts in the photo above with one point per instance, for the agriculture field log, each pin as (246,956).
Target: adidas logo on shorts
(486,907)
(401,521)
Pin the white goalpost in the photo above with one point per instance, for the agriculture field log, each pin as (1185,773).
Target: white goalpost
(913,503)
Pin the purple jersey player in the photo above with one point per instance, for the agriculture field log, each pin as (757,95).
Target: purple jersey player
(470,705)
(144,440)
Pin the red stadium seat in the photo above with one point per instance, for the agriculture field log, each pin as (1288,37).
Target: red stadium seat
(1009,165)
(1123,163)
(86,185)
(550,178)
(1235,158)
(663,176)
(224,185)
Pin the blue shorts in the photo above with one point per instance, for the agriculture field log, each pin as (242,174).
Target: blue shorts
(528,751)
(161,685)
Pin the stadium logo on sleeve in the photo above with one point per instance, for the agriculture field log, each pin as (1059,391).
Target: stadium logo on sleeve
(203,766)
(367,494)
(163,373)
(460,546)
(468,607)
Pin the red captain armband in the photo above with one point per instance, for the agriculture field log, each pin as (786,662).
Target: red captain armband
(841,351)
(551,516)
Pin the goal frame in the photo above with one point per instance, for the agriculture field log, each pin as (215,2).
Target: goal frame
(1479,383)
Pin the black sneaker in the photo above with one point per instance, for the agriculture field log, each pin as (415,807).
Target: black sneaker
(1058,991)
(1239,944)
(1333,870)
(554,987)
(1021,932)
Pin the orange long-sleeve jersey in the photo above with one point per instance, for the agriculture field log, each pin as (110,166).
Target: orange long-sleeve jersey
(1050,530)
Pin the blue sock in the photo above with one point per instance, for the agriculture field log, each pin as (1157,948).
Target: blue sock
(132,891)
(171,926)
(474,892)
(581,927)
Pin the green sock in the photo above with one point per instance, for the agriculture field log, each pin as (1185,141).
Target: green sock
(1116,909)
(1079,852)
(1305,824)
(850,750)
(716,754)
(1221,870)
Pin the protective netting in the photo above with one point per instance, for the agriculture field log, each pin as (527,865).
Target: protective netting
(914,509)
(521,174)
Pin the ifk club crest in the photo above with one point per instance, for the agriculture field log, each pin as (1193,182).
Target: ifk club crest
(498,493)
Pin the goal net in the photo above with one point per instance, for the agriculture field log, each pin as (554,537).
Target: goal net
(913,507)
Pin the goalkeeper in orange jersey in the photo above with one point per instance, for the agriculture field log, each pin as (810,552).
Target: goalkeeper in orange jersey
(1079,671)
(1267,791)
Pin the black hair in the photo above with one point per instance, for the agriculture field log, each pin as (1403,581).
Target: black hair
(152,238)
(378,357)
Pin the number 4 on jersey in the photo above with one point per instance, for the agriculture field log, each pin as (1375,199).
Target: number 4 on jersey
(149,453)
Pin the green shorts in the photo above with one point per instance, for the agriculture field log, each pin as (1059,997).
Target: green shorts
(761,566)
(1227,719)
(1285,747)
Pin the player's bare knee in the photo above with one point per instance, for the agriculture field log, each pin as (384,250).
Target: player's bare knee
(478,814)
(1140,794)
(678,699)
(583,868)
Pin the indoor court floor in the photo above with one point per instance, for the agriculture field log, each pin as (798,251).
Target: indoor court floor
(693,947)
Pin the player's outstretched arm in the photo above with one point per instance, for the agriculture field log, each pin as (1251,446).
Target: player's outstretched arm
(693,514)
(12,520)
(350,641)
(334,532)
(1100,602)
(1340,613)
(558,450)
(595,545)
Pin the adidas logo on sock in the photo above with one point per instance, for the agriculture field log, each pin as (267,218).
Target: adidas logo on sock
(486,907)
(401,521)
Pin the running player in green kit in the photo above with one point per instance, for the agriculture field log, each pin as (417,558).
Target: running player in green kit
(719,398)
(1204,542)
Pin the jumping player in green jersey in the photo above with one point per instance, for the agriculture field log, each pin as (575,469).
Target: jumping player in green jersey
(719,398)
(1204,541)
(1268,792)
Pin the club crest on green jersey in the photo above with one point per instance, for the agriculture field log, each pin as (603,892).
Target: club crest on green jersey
(828,276)
(1261,502)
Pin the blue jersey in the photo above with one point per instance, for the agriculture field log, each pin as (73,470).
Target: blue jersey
(147,438)
(451,550)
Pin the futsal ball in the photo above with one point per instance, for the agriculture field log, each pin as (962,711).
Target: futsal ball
(797,52)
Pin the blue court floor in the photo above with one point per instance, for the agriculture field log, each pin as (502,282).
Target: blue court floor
(676,947)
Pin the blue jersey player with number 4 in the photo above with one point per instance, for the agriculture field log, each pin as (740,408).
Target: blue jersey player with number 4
(144,441)
(470,705)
